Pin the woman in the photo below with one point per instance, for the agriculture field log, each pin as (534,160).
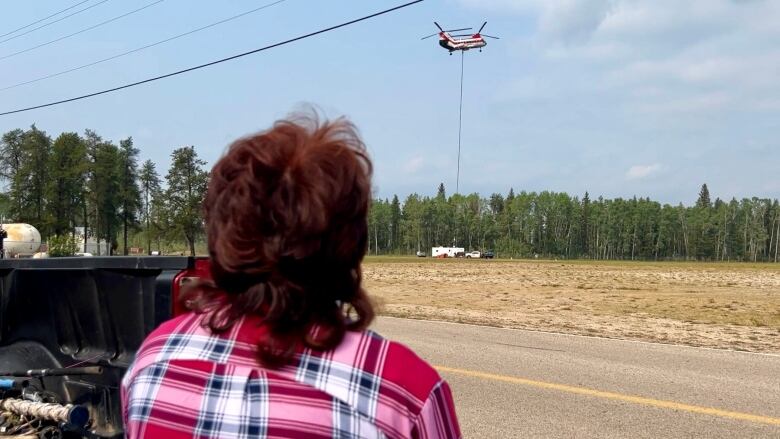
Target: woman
(277,345)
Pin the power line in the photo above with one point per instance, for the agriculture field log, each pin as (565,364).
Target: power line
(219,61)
(82,30)
(44,18)
(51,22)
(138,49)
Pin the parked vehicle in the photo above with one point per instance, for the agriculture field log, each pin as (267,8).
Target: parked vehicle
(92,313)
(421,254)
(447,252)
(488,254)
(474,254)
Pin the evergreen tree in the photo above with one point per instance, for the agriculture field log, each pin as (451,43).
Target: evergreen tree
(703,231)
(67,169)
(585,225)
(129,193)
(89,206)
(31,181)
(395,222)
(704,197)
(11,159)
(105,178)
(150,190)
(187,182)
(441,193)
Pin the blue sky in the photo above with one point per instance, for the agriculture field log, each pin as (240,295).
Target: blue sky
(616,97)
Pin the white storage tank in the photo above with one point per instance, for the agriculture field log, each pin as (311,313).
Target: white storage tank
(22,240)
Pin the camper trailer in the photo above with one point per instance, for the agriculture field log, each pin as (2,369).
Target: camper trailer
(448,252)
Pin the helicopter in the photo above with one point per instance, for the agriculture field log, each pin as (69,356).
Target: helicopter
(461,42)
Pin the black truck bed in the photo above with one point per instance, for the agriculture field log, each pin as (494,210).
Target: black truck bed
(58,312)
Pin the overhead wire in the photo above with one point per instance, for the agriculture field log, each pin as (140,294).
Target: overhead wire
(44,18)
(50,23)
(219,61)
(82,30)
(138,49)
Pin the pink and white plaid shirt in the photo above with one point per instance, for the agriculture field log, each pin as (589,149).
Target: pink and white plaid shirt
(187,383)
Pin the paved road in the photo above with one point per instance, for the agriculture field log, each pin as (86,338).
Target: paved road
(512,383)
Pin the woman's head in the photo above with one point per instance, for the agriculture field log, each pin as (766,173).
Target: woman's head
(286,221)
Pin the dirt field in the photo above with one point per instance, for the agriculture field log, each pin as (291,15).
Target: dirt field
(734,306)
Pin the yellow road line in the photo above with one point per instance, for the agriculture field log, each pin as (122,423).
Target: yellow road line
(615,396)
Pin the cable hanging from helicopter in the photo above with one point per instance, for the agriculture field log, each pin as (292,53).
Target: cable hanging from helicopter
(461,42)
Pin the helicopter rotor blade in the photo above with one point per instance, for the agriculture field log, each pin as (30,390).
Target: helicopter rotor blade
(456,30)
(437,25)
(483,26)
(431,35)
(490,36)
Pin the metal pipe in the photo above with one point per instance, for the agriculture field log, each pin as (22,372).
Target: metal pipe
(72,414)
(55,372)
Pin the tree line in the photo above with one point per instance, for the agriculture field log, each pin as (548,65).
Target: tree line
(558,225)
(84,180)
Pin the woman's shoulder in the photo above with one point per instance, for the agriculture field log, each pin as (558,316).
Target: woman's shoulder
(394,363)
(185,325)
(170,332)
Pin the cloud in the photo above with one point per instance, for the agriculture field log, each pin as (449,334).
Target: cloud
(559,21)
(710,69)
(145,132)
(638,172)
(572,21)
(414,164)
(511,6)
(696,104)
(696,78)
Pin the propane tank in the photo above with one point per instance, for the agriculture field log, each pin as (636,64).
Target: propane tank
(22,240)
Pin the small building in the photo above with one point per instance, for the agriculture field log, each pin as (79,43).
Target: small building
(92,246)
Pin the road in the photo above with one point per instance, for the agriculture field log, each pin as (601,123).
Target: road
(514,383)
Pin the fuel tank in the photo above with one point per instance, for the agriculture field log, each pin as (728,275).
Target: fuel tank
(22,240)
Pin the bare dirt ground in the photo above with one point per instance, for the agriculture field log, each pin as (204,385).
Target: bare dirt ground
(732,306)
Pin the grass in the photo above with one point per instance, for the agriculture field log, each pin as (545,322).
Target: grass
(382,259)
(713,304)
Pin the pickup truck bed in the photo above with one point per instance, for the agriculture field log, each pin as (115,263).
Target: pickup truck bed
(61,312)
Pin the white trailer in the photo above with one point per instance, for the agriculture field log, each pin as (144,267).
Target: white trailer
(447,252)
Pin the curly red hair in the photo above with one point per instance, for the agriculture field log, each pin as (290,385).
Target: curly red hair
(286,221)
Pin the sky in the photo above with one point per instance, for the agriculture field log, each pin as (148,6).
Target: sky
(619,98)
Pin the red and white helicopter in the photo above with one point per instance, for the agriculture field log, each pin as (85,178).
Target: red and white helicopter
(461,42)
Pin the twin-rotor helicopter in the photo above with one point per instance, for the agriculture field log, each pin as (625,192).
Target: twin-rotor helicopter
(461,42)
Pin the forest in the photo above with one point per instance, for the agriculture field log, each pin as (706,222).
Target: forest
(83,180)
(558,225)
(86,181)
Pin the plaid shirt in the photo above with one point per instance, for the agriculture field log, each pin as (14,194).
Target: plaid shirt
(186,382)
